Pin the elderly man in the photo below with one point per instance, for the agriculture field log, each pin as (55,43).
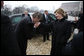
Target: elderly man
(24,30)
(46,20)
(27,16)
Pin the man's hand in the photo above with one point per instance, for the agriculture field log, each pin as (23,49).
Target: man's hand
(36,24)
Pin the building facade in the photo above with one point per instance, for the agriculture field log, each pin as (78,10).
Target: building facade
(73,8)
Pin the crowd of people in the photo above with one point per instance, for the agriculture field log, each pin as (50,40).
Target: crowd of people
(14,42)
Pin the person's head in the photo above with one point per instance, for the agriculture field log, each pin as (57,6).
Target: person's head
(59,13)
(46,12)
(2,3)
(25,12)
(36,17)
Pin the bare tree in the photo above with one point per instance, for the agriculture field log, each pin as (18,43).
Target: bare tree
(18,10)
(6,10)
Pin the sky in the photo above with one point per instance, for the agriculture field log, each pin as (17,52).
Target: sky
(45,5)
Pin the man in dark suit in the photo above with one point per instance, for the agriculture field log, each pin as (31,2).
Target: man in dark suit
(26,15)
(24,31)
(9,44)
(46,20)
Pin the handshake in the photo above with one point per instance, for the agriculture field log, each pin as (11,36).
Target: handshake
(37,24)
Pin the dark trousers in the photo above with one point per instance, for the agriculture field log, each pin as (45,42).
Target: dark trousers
(23,46)
(45,37)
(57,49)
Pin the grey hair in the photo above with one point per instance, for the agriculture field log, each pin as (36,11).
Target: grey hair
(37,15)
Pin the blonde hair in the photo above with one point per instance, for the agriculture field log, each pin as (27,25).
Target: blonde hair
(60,11)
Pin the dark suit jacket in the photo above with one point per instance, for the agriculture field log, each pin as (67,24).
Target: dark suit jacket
(23,15)
(9,44)
(44,19)
(23,32)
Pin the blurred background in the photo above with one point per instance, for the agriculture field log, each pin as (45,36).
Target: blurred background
(15,7)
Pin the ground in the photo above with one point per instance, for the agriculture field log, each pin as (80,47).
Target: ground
(36,46)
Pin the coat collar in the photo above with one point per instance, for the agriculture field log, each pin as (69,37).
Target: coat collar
(60,20)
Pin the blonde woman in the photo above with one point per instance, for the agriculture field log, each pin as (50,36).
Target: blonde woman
(61,29)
